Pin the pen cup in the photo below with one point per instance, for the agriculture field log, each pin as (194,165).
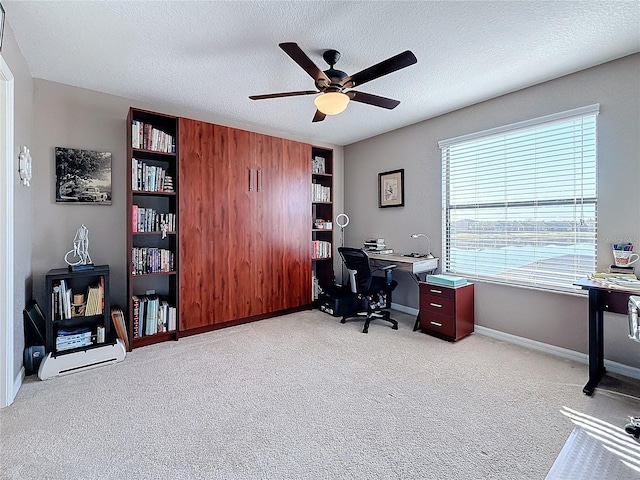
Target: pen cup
(624,258)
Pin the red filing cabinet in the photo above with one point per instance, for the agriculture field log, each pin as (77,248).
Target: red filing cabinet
(446,312)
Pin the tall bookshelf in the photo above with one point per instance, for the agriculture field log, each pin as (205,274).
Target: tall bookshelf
(322,218)
(152,226)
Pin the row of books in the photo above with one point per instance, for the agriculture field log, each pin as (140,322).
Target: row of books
(152,315)
(145,135)
(321,249)
(320,193)
(64,308)
(149,178)
(76,338)
(149,220)
(146,260)
(95,301)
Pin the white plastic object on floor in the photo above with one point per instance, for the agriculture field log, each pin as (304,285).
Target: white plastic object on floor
(79,361)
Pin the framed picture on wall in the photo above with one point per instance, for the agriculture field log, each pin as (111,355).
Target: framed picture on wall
(83,176)
(391,189)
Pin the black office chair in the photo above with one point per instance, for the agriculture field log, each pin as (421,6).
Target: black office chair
(373,292)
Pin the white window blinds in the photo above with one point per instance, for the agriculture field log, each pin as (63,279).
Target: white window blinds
(520,201)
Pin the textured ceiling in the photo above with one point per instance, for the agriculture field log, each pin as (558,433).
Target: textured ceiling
(210,56)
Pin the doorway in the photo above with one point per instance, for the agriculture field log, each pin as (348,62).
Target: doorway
(7,388)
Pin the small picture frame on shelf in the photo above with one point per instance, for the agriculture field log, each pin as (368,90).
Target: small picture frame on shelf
(318,165)
(391,189)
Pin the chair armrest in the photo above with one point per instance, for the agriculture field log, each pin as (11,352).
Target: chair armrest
(387,272)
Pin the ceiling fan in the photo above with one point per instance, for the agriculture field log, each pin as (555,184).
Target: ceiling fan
(334,86)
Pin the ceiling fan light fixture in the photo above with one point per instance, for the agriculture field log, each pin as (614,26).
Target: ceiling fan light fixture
(332,103)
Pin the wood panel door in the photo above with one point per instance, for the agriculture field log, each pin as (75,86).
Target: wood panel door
(296,216)
(243,179)
(205,221)
(270,228)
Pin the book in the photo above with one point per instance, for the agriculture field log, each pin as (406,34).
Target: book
(135,300)
(117,317)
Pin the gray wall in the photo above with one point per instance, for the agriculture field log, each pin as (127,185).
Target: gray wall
(552,318)
(67,116)
(23,196)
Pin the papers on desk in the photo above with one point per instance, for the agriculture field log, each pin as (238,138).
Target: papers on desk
(622,281)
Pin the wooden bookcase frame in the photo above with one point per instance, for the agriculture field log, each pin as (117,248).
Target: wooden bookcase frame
(163,284)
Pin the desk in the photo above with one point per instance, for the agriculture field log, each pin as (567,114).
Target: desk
(601,299)
(411,265)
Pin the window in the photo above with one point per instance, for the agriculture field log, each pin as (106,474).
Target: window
(520,201)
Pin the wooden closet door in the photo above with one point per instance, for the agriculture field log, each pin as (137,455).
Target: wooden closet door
(204,224)
(243,254)
(270,228)
(296,218)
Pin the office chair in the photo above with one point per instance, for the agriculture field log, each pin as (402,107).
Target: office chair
(373,292)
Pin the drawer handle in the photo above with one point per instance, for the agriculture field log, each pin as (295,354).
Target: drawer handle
(436,305)
(436,324)
(435,291)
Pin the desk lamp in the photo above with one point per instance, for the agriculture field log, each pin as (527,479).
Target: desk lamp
(416,235)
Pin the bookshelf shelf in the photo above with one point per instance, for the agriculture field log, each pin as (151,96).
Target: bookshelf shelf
(322,211)
(152,205)
(155,194)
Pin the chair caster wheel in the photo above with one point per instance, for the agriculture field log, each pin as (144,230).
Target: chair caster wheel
(633,428)
(633,431)
(343,321)
(366,330)
(395,327)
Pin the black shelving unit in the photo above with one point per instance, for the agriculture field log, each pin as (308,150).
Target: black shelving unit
(79,283)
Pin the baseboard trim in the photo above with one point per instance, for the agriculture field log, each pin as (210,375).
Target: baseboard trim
(17,383)
(404,309)
(613,367)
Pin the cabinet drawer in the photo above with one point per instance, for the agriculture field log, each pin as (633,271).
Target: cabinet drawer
(437,305)
(436,290)
(439,324)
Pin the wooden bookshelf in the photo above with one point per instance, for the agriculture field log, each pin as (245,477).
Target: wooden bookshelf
(322,217)
(152,226)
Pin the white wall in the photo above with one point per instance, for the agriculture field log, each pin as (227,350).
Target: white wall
(23,196)
(555,319)
(67,116)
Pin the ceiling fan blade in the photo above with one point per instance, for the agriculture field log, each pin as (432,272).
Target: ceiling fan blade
(319,116)
(284,94)
(385,67)
(375,100)
(298,56)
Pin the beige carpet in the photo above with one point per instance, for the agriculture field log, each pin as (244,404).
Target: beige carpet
(305,397)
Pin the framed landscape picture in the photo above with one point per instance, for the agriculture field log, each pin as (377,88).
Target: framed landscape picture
(83,176)
(391,189)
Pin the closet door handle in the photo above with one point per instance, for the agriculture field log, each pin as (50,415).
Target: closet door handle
(259,179)
(250,179)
